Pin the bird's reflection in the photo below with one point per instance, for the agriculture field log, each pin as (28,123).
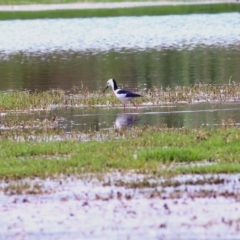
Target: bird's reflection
(125,120)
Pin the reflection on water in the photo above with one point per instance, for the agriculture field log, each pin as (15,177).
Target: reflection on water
(155,51)
(104,34)
(125,120)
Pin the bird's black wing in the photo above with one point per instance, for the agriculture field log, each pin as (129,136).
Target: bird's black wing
(128,93)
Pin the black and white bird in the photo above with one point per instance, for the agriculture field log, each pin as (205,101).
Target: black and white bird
(123,95)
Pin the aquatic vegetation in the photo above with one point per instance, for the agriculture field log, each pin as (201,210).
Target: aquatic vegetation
(22,187)
(10,2)
(197,93)
(27,100)
(147,149)
(128,11)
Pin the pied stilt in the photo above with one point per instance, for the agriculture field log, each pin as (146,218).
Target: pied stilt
(122,95)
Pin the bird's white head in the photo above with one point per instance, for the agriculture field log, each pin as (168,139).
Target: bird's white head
(111,83)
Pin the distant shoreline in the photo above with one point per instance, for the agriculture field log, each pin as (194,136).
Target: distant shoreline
(109,5)
(116,9)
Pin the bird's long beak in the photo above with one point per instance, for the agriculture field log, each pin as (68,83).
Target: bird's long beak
(105,89)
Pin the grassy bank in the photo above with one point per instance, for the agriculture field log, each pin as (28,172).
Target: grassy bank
(26,2)
(40,148)
(136,11)
(146,149)
(80,97)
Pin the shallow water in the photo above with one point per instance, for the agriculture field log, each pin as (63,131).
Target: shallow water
(174,115)
(89,208)
(190,116)
(118,33)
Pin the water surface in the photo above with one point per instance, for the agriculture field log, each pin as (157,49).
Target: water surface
(88,208)
(175,115)
(152,50)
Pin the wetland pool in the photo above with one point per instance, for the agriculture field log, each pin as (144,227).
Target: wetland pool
(139,52)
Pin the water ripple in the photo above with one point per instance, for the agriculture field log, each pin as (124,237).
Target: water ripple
(103,34)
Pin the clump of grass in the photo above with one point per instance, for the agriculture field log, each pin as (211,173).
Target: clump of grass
(197,93)
(22,187)
(12,124)
(174,154)
(27,100)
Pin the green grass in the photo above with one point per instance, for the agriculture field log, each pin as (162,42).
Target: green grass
(26,100)
(20,2)
(137,11)
(23,100)
(144,149)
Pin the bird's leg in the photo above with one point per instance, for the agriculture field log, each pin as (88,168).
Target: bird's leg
(124,107)
(134,105)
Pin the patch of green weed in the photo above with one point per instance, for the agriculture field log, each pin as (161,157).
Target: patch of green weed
(143,149)
(136,11)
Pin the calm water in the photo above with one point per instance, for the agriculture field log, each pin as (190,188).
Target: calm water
(159,51)
(188,116)
(139,52)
